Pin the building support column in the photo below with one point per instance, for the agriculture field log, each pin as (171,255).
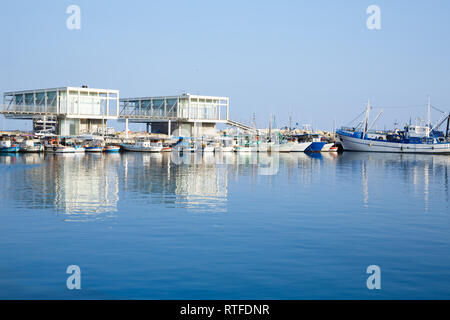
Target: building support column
(169,130)
(126,127)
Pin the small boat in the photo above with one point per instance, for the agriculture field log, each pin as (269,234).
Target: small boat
(30,146)
(6,146)
(59,149)
(112,149)
(143,146)
(94,147)
(225,144)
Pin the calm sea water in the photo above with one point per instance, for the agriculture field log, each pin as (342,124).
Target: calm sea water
(225,227)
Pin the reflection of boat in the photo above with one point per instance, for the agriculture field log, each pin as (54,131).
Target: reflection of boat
(143,146)
(111,149)
(6,146)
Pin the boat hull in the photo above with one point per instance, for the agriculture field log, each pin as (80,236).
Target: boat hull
(10,150)
(94,149)
(356,144)
(60,150)
(34,149)
(315,147)
(133,148)
(112,149)
(300,147)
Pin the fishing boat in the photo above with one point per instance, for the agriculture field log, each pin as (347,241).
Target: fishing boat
(316,142)
(284,146)
(225,144)
(7,146)
(59,149)
(29,146)
(95,146)
(412,139)
(112,149)
(143,145)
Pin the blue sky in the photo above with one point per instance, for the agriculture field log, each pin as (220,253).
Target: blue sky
(313,60)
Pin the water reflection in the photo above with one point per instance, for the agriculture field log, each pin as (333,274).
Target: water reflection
(86,186)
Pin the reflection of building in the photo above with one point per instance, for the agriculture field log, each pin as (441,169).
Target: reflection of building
(84,185)
(204,187)
(193,183)
(73,110)
(69,183)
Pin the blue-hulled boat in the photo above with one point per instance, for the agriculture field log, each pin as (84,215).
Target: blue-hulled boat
(316,143)
(6,146)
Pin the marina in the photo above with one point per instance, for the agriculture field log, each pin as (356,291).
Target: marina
(225,159)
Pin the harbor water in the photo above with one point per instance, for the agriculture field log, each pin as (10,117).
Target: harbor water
(220,226)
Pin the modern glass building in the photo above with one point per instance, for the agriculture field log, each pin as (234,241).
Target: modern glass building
(77,109)
(196,114)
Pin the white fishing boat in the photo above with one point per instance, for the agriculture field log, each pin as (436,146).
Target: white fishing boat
(282,147)
(143,146)
(225,145)
(59,149)
(300,146)
(30,146)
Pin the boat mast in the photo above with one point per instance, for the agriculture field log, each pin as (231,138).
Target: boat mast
(366,119)
(429,118)
(448,126)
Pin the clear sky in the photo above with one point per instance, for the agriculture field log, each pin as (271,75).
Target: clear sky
(314,60)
